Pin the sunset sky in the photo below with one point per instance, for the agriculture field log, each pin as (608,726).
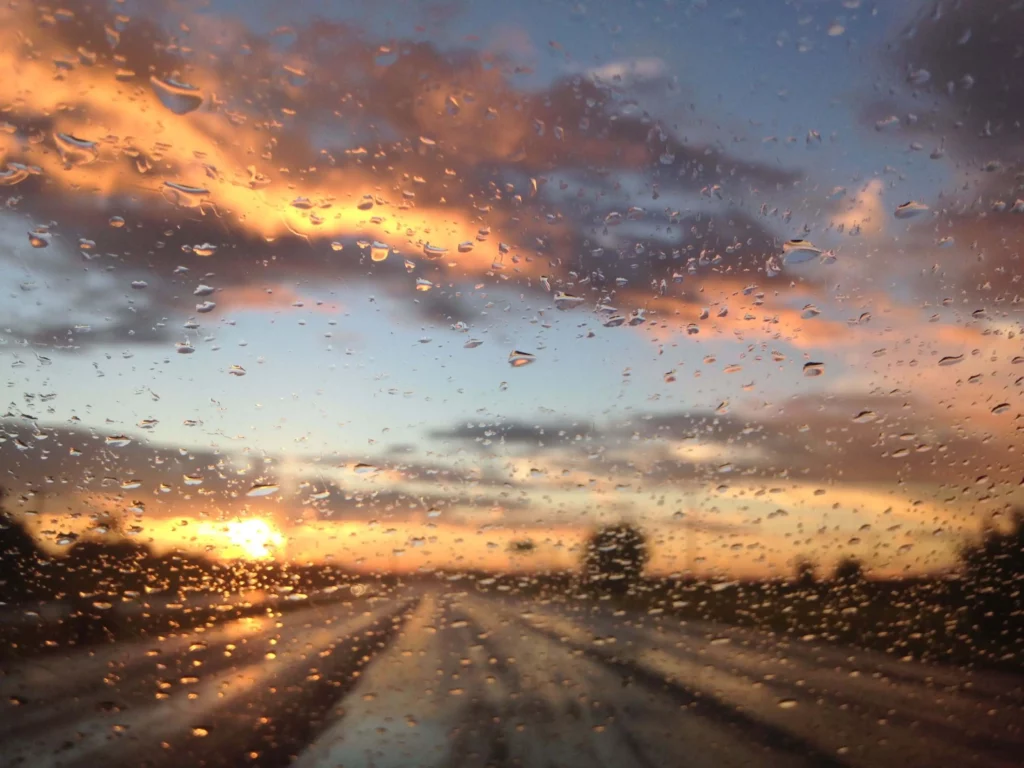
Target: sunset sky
(288,252)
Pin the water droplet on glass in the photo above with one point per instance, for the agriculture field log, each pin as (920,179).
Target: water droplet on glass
(566,300)
(1001,408)
(787,703)
(865,417)
(184,195)
(236,370)
(518,359)
(15,173)
(39,239)
(117,441)
(472,344)
(951,360)
(116,222)
(434,251)
(910,209)
(364,469)
(919,76)
(814,369)
(206,306)
(180,98)
(75,151)
(263,489)
(204,249)
(799,251)
(379,251)
(184,348)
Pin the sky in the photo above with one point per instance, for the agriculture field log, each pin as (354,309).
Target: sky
(280,263)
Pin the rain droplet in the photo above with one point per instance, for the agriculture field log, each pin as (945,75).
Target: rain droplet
(236,370)
(183,195)
(206,306)
(204,249)
(379,251)
(1001,408)
(39,239)
(117,441)
(139,285)
(263,489)
(787,703)
(184,348)
(364,469)
(180,98)
(434,251)
(864,417)
(919,77)
(518,359)
(116,222)
(799,251)
(814,369)
(566,300)
(951,360)
(15,173)
(472,344)
(910,209)
(75,151)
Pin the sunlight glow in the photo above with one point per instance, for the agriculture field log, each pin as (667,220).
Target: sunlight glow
(252,539)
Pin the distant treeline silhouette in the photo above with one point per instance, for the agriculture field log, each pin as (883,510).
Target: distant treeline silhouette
(977,616)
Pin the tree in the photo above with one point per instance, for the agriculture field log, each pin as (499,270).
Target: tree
(849,570)
(993,570)
(806,572)
(19,558)
(614,558)
(522,547)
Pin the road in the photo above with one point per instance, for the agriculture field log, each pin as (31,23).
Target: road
(437,679)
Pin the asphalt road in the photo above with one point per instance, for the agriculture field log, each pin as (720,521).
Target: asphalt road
(436,679)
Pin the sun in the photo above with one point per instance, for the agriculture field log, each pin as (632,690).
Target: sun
(255,539)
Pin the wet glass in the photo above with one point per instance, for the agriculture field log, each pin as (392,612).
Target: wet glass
(512,384)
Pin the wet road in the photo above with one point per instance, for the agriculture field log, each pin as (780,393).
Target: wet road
(452,680)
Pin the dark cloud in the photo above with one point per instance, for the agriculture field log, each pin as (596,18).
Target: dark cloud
(876,439)
(431,130)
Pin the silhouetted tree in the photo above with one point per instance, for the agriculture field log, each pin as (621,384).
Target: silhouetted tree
(614,558)
(522,547)
(994,588)
(19,559)
(849,570)
(806,572)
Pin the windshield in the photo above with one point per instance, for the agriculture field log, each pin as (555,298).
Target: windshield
(511,384)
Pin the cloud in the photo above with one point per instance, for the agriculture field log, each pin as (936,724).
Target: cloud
(292,144)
